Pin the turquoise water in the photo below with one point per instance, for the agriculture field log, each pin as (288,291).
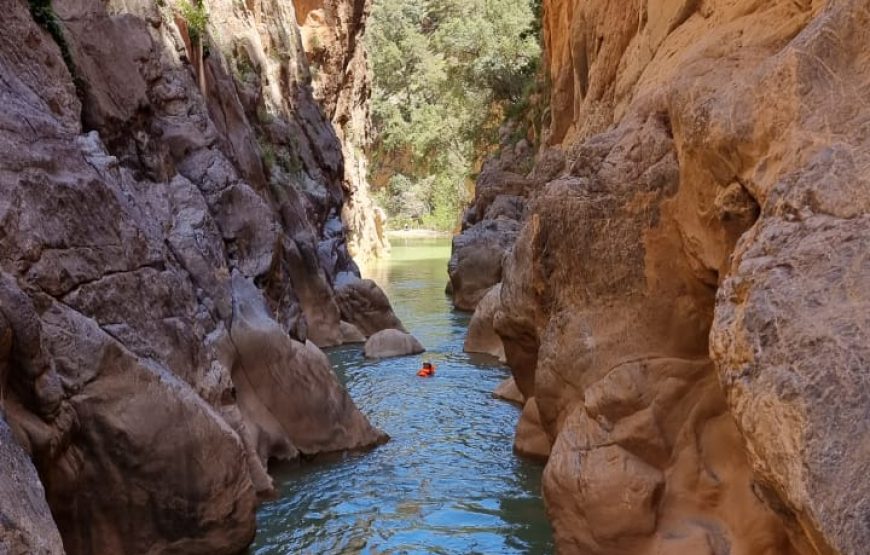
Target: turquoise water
(448,481)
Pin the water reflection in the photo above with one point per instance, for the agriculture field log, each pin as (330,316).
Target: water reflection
(448,481)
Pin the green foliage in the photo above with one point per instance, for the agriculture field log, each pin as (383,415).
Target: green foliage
(443,72)
(195,15)
(43,14)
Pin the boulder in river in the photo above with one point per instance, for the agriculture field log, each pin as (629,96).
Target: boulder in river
(531,439)
(481,337)
(476,263)
(508,391)
(392,343)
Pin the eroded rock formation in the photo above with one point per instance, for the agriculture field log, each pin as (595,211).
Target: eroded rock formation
(171,242)
(687,298)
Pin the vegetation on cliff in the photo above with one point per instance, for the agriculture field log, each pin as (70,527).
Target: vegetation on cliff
(443,72)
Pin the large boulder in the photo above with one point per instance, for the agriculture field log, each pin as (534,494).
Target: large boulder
(392,343)
(291,399)
(365,305)
(495,190)
(530,439)
(350,333)
(476,260)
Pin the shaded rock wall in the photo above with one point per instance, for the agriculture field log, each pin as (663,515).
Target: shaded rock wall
(26,525)
(171,243)
(686,300)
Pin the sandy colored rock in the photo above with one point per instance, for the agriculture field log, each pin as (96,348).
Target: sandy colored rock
(481,336)
(489,225)
(508,391)
(531,439)
(392,343)
(790,342)
(700,157)
(332,37)
(26,525)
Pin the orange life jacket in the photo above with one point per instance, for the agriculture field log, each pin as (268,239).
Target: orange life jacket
(426,372)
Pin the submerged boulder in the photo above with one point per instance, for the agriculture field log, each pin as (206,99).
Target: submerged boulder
(508,391)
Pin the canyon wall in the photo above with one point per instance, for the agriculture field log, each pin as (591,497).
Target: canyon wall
(332,33)
(687,299)
(173,257)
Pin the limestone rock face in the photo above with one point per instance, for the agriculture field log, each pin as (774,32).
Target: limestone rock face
(790,339)
(687,298)
(332,33)
(26,525)
(481,337)
(392,343)
(170,242)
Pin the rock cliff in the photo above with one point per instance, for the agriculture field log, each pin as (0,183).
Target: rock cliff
(173,256)
(687,297)
(332,38)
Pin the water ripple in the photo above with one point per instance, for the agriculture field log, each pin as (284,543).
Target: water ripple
(448,481)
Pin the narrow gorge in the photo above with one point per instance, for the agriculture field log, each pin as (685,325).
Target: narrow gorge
(668,252)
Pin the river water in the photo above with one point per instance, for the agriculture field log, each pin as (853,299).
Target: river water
(448,481)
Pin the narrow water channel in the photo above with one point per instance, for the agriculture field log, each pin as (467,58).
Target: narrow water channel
(448,481)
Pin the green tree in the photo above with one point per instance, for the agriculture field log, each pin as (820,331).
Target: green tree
(443,70)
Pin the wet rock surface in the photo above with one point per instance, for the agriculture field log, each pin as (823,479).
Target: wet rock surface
(686,298)
(171,242)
